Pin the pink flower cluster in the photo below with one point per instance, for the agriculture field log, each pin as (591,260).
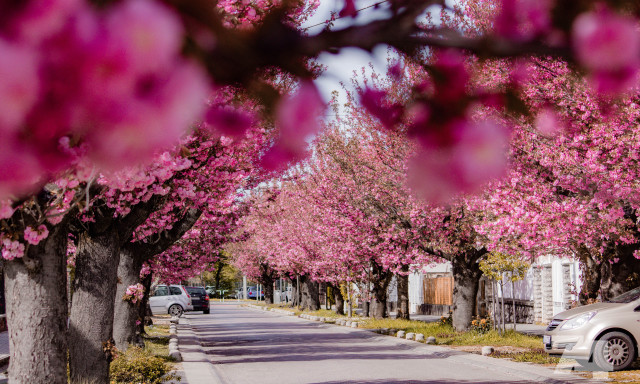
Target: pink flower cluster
(298,118)
(6,210)
(75,80)
(461,147)
(134,293)
(12,249)
(34,236)
(608,45)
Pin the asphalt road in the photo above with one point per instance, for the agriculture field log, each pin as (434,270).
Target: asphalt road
(245,346)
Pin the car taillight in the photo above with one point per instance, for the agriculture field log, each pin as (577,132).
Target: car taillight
(206,298)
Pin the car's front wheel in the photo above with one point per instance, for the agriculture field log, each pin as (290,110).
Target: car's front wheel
(587,365)
(176,310)
(614,352)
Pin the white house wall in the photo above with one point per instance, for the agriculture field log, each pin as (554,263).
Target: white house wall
(553,294)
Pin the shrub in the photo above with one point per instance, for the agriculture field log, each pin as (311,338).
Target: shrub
(481,325)
(139,366)
(446,320)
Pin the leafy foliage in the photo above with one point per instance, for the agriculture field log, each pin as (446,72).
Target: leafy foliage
(137,365)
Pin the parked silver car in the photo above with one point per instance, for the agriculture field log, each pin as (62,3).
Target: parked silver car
(171,299)
(605,334)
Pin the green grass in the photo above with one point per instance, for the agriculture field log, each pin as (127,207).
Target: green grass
(536,356)
(446,335)
(156,341)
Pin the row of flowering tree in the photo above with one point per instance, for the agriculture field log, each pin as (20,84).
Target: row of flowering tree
(564,143)
(92,89)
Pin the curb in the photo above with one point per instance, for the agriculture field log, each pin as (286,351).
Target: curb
(174,352)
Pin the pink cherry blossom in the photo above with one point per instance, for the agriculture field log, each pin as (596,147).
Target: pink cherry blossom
(12,249)
(19,85)
(229,121)
(608,44)
(6,210)
(298,118)
(349,9)
(34,236)
(523,19)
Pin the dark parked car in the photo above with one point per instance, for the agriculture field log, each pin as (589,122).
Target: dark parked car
(199,299)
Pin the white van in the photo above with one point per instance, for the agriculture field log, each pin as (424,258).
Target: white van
(171,299)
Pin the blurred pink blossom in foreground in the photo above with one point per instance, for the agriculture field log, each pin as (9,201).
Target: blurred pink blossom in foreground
(608,45)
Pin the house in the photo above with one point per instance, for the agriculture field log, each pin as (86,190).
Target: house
(549,287)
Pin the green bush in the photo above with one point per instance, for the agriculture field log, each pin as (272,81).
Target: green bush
(446,320)
(139,366)
(481,325)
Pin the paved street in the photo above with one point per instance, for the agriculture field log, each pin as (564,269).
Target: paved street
(235,345)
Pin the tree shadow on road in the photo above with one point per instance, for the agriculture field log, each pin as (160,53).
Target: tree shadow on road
(394,381)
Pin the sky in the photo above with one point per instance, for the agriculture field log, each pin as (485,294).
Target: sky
(340,66)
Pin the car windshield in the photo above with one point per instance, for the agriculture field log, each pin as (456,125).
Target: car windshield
(627,297)
(196,290)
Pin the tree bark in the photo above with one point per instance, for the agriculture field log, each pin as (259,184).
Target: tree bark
(268,292)
(403,293)
(218,276)
(513,302)
(466,280)
(590,276)
(381,279)
(310,295)
(144,311)
(339,300)
(622,275)
(502,314)
(36,299)
(132,257)
(91,320)
(127,313)
(295,302)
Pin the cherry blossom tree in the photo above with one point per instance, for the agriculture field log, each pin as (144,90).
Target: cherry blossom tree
(81,98)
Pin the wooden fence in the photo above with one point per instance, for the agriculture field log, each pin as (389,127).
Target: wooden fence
(438,290)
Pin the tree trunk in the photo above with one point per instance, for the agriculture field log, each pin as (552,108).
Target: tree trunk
(91,320)
(310,295)
(590,277)
(36,299)
(513,302)
(504,325)
(337,297)
(380,284)
(466,280)
(127,313)
(622,275)
(295,301)
(144,311)
(268,292)
(494,306)
(403,294)
(218,276)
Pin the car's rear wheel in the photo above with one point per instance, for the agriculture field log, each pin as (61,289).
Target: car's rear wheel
(206,311)
(176,310)
(614,352)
